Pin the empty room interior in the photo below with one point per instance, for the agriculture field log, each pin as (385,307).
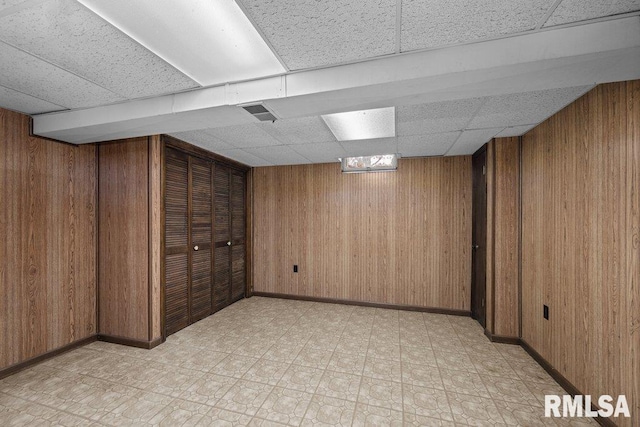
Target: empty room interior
(249,212)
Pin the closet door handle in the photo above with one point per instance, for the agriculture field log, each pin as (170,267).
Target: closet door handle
(195,248)
(229,243)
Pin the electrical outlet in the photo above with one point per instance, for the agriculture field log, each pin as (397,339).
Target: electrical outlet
(295,268)
(545,311)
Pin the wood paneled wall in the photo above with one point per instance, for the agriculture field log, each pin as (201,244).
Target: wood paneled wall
(503,234)
(48,243)
(581,247)
(129,239)
(396,238)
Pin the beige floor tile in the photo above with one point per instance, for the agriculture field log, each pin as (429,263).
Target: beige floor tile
(383,369)
(494,368)
(285,406)
(421,375)
(339,385)
(382,350)
(223,418)
(302,378)
(464,382)
(346,362)
(313,357)
(353,345)
(455,361)
(245,397)
(182,413)
(428,402)
(266,371)
(509,390)
(422,421)
(532,372)
(329,411)
(418,355)
(383,393)
(420,340)
(515,414)
(374,416)
(208,389)
(139,409)
(234,366)
(253,348)
(283,351)
(474,410)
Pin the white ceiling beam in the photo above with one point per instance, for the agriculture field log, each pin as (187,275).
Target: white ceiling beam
(572,56)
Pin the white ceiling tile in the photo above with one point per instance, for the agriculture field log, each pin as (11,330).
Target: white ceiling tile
(428,24)
(311,33)
(67,34)
(305,130)
(370,147)
(24,73)
(580,10)
(202,139)
(515,131)
(244,136)
(524,108)
(17,101)
(470,140)
(320,153)
(5,4)
(244,157)
(436,117)
(426,145)
(278,155)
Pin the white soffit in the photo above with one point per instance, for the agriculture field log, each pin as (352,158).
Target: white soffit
(68,35)
(426,145)
(580,10)
(24,73)
(18,101)
(211,41)
(470,140)
(524,108)
(312,33)
(428,24)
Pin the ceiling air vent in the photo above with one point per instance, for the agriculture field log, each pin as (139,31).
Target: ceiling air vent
(260,112)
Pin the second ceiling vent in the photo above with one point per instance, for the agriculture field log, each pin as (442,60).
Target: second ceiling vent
(260,112)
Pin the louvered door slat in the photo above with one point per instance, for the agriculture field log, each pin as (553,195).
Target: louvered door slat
(176,241)
(201,225)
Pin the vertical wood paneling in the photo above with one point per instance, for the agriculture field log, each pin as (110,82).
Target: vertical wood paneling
(503,270)
(580,249)
(155,235)
(396,238)
(124,239)
(47,252)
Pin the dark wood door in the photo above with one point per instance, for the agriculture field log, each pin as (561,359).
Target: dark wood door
(479,237)
(222,238)
(201,238)
(177,250)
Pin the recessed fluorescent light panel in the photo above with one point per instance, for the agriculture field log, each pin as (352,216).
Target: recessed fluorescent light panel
(363,124)
(379,163)
(211,41)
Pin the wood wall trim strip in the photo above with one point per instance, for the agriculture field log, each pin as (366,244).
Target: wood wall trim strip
(560,379)
(501,339)
(436,310)
(14,369)
(147,345)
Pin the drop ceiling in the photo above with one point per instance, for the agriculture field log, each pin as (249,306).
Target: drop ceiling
(459,72)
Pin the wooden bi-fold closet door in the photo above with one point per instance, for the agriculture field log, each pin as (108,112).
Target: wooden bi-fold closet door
(229,236)
(188,232)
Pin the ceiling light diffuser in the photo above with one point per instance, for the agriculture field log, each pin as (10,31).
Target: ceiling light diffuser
(377,163)
(211,41)
(363,124)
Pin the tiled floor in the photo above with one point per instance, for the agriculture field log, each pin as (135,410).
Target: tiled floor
(276,362)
